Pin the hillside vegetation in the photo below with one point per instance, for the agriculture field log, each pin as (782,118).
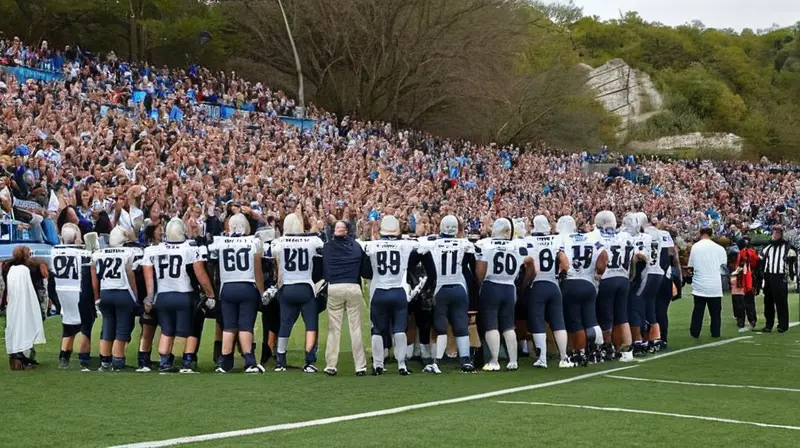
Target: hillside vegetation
(489,70)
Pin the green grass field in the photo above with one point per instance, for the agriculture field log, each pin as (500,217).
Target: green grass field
(49,407)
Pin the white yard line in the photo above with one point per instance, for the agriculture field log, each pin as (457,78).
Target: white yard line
(665,414)
(686,383)
(345,418)
(696,347)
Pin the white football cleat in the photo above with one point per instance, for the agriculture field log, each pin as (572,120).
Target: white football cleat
(566,364)
(143,369)
(187,370)
(541,364)
(626,356)
(512,366)
(258,368)
(432,368)
(491,367)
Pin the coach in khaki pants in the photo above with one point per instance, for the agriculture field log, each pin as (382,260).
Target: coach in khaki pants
(341,267)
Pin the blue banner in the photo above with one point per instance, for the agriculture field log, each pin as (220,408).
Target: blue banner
(25,73)
(302,123)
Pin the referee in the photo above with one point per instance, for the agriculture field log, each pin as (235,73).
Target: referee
(778,266)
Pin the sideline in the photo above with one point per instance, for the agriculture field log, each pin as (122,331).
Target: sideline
(345,418)
(685,383)
(665,414)
(696,347)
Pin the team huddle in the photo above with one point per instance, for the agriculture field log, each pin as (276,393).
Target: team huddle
(601,295)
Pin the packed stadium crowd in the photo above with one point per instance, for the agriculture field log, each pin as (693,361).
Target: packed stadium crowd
(118,150)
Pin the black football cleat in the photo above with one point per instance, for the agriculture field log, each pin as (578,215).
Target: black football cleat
(377,371)
(404,372)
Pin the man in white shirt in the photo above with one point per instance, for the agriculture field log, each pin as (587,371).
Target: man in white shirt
(706,263)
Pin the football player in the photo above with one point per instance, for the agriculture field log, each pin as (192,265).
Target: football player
(148,320)
(588,260)
(390,258)
(499,260)
(454,261)
(655,276)
(114,287)
(295,254)
(241,289)
(167,264)
(270,308)
(70,272)
(544,296)
(203,307)
(636,301)
(614,289)
(671,263)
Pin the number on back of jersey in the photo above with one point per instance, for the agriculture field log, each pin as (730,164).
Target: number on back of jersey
(620,256)
(582,257)
(296,259)
(504,261)
(547,260)
(109,268)
(388,262)
(169,266)
(236,259)
(65,267)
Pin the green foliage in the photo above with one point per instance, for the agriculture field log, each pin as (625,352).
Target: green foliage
(712,80)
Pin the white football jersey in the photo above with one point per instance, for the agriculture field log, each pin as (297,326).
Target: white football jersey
(295,256)
(389,260)
(448,257)
(544,250)
(503,257)
(111,264)
(582,250)
(169,262)
(67,264)
(620,249)
(654,267)
(236,255)
(666,244)
(643,244)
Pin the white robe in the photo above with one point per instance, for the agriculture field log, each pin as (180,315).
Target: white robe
(24,326)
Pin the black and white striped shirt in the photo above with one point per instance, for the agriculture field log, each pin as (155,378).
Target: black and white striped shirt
(775,256)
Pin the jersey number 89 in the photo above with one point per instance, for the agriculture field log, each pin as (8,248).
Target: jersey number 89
(388,262)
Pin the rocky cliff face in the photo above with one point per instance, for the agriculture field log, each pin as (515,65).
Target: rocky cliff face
(624,91)
(630,94)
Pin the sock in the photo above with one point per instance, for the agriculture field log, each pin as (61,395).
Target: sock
(65,354)
(400,347)
(105,359)
(118,362)
(561,341)
(418,349)
(165,360)
(409,349)
(493,342)
(143,359)
(441,345)
(280,359)
(462,342)
(171,359)
(282,345)
(217,351)
(226,362)
(84,358)
(249,359)
(540,342)
(595,333)
(510,337)
(523,347)
(187,359)
(378,354)
(425,352)
(385,353)
(311,357)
